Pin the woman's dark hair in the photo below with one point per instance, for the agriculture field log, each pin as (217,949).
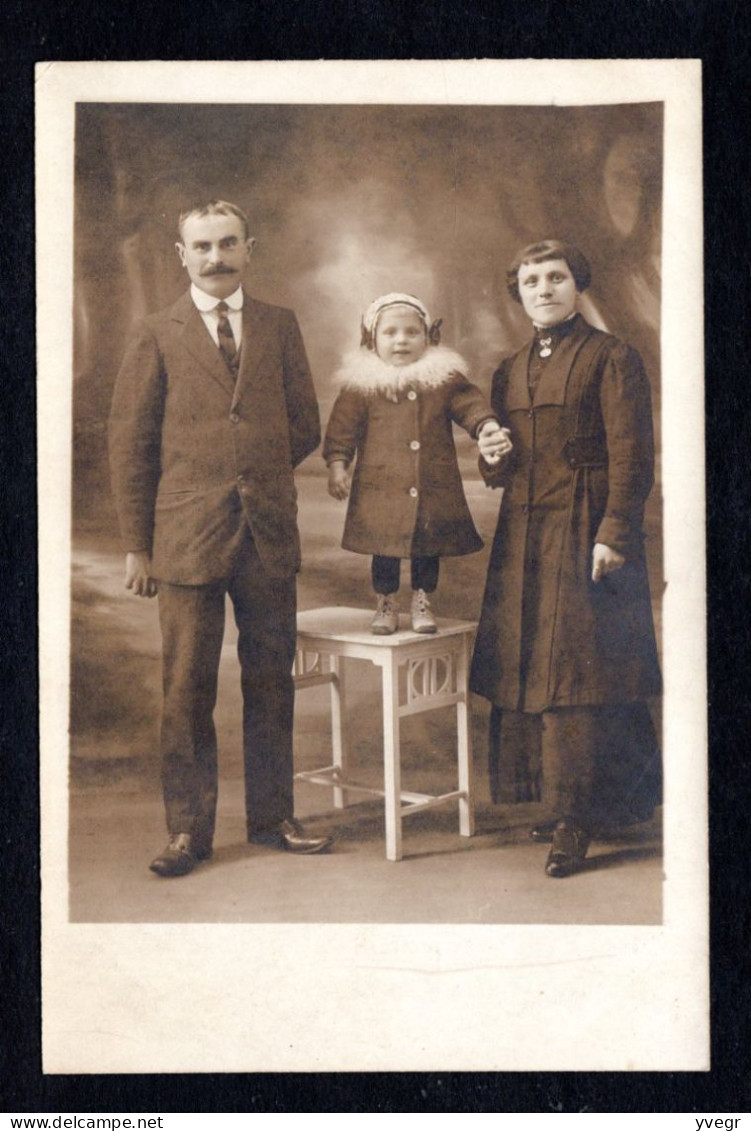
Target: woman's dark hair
(543,251)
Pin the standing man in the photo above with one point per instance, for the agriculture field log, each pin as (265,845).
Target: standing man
(213,408)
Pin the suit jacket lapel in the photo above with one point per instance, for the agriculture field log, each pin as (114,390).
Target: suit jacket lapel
(199,343)
(254,342)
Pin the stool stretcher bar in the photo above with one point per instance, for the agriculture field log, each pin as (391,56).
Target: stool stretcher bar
(329,775)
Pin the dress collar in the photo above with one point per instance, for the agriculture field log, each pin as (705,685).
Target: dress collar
(560,330)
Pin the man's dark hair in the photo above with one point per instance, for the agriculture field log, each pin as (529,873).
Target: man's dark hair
(214,208)
(542,252)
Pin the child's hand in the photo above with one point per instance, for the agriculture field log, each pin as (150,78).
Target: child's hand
(493,441)
(339,480)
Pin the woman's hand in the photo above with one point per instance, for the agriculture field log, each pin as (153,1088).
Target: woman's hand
(493,441)
(339,480)
(605,561)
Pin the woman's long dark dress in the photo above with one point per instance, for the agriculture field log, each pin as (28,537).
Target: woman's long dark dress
(569,664)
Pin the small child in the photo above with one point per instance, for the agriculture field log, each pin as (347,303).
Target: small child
(399,394)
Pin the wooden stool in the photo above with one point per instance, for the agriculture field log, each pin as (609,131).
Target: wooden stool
(437,669)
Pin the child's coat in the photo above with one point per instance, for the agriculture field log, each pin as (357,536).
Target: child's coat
(407,498)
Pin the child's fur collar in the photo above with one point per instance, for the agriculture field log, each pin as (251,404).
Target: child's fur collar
(364,372)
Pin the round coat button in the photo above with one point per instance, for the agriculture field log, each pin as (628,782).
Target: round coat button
(234,418)
(413,492)
(411,395)
(415,445)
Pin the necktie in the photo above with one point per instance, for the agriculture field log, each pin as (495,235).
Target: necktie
(227,343)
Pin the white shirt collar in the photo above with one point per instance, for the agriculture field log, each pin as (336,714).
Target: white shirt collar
(205,302)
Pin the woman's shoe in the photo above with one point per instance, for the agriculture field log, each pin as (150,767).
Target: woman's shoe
(566,856)
(421,616)
(386,620)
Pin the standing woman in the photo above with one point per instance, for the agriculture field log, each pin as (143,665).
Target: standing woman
(566,648)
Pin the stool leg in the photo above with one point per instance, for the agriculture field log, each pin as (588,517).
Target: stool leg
(338,736)
(392,758)
(464,742)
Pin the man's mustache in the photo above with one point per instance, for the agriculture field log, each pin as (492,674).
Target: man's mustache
(217,271)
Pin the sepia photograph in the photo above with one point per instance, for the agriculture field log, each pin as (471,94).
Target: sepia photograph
(371,668)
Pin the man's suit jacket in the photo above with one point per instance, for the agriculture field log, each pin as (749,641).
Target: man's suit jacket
(196,456)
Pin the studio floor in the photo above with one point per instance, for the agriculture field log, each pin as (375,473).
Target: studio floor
(494,877)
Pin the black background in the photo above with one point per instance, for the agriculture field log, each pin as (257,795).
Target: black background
(716,32)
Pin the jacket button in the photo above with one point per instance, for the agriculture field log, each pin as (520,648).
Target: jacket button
(413,492)
(411,395)
(415,445)
(234,418)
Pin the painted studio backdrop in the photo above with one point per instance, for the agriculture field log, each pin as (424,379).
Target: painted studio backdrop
(346,202)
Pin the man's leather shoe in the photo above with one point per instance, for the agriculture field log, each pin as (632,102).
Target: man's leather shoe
(566,856)
(290,837)
(177,859)
(543,834)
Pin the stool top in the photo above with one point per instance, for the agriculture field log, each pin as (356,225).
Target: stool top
(343,623)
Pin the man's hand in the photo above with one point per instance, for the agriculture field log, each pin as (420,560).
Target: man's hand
(605,561)
(339,480)
(138,575)
(493,441)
